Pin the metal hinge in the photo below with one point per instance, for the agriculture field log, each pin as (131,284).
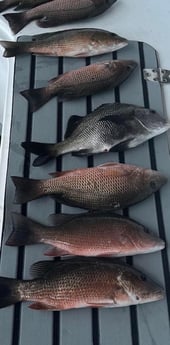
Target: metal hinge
(157,74)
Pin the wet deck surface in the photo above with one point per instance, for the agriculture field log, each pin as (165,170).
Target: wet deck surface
(146,324)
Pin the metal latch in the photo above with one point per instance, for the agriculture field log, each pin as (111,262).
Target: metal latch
(157,74)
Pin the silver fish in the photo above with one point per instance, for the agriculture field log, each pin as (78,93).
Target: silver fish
(110,127)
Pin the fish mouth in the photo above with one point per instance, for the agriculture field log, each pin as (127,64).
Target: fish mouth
(155,296)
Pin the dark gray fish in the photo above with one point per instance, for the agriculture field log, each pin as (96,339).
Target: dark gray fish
(58,12)
(109,186)
(85,81)
(21,4)
(89,234)
(78,283)
(110,127)
(71,43)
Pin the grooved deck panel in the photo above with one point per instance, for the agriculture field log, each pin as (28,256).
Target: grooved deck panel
(146,324)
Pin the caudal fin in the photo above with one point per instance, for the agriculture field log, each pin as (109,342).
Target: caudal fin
(13,48)
(9,292)
(36,97)
(16,21)
(25,231)
(26,189)
(45,151)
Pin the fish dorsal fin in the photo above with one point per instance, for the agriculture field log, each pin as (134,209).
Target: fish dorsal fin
(41,269)
(72,125)
(60,173)
(119,169)
(60,219)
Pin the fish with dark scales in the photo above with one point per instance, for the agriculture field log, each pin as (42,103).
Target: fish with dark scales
(78,283)
(89,234)
(21,4)
(85,81)
(110,127)
(109,186)
(58,12)
(71,43)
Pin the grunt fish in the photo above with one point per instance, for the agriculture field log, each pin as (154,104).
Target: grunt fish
(111,127)
(79,283)
(87,234)
(109,186)
(21,4)
(71,43)
(85,81)
(58,12)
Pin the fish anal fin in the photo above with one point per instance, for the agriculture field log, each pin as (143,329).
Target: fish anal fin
(82,152)
(56,252)
(60,219)
(41,268)
(72,125)
(41,306)
(122,145)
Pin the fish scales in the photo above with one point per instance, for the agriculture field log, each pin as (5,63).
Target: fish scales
(85,235)
(58,12)
(78,283)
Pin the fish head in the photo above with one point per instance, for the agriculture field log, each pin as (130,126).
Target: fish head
(106,41)
(147,242)
(153,180)
(124,67)
(151,120)
(138,287)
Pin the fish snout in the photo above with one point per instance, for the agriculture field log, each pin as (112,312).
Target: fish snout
(131,65)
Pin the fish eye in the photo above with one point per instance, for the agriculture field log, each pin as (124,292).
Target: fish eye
(128,68)
(153,111)
(143,278)
(137,298)
(153,185)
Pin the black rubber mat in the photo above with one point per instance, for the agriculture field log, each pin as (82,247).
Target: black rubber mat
(146,324)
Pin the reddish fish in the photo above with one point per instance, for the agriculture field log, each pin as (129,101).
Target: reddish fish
(107,187)
(79,283)
(58,12)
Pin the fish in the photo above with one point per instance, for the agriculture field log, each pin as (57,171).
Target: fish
(110,127)
(21,4)
(78,283)
(69,43)
(109,186)
(58,12)
(84,81)
(89,234)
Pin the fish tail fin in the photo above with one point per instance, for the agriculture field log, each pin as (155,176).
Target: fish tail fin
(9,292)
(12,48)
(16,21)
(25,231)
(26,189)
(46,152)
(36,97)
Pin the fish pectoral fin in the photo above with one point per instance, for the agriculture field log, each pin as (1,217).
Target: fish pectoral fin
(41,306)
(72,125)
(56,252)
